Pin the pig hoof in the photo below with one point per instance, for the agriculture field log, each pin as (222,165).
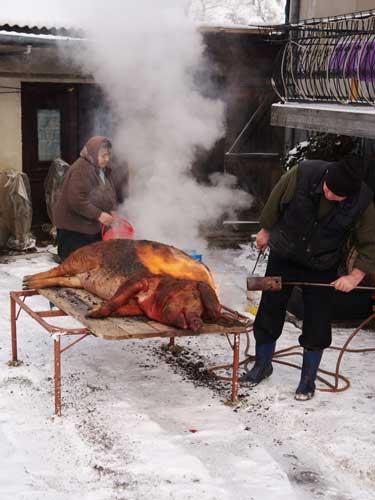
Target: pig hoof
(94,313)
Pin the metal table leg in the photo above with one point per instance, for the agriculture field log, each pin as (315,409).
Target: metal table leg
(236,360)
(13,328)
(57,351)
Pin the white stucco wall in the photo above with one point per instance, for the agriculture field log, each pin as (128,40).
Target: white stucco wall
(10,126)
(324,8)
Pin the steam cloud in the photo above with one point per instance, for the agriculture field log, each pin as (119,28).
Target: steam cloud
(145,56)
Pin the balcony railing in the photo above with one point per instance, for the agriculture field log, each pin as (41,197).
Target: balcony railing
(329,60)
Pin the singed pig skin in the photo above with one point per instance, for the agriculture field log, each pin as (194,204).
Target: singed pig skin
(139,276)
(181,303)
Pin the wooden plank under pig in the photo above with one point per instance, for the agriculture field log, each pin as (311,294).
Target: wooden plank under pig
(76,303)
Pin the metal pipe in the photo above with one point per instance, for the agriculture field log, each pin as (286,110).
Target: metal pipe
(294,11)
(37,40)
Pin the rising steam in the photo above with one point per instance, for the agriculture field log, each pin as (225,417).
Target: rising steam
(146,55)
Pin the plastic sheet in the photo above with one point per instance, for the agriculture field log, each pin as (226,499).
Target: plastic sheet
(15,211)
(53,183)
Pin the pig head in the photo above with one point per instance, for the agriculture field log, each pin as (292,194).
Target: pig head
(176,302)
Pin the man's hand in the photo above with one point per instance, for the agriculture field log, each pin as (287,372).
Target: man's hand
(350,281)
(106,218)
(261,239)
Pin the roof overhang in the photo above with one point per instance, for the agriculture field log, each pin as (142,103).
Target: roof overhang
(343,119)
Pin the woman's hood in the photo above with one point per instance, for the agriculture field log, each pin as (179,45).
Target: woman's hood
(90,150)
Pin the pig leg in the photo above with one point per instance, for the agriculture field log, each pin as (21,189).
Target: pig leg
(211,305)
(69,281)
(121,297)
(82,260)
(131,309)
(194,322)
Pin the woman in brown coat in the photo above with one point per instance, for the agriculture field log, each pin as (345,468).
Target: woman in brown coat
(87,199)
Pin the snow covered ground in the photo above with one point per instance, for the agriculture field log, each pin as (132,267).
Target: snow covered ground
(135,425)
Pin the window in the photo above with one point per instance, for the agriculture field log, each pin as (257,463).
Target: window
(49,134)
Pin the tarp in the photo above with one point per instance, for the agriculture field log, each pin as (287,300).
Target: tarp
(53,183)
(15,211)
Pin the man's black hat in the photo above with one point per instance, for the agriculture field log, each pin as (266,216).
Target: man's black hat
(344,177)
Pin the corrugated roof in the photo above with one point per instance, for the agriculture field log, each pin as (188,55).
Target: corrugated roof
(41,30)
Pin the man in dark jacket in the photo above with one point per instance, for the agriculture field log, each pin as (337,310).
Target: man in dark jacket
(306,222)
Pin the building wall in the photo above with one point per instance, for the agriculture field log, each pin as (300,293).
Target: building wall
(10,126)
(324,8)
(45,66)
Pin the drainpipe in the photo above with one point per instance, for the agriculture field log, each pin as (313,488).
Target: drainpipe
(293,9)
(36,40)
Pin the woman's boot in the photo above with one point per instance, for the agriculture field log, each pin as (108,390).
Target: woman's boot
(263,365)
(310,365)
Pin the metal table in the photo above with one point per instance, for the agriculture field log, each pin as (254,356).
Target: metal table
(76,302)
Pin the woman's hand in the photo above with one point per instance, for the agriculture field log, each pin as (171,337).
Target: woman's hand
(350,281)
(106,218)
(261,239)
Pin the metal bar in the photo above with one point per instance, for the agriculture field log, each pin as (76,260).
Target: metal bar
(171,342)
(265,156)
(50,314)
(252,118)
(236,358)
(75,342)
(57,353)
(13,327)
(303,283)
(20,309)
(35,315)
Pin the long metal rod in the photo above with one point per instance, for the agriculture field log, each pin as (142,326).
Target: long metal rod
(252,118)
(326,285)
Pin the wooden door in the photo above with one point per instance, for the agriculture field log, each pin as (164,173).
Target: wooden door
(49,130)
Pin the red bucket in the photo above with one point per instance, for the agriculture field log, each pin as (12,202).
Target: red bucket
(119,229)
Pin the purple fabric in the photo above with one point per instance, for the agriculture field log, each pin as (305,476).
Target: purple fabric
(348,55)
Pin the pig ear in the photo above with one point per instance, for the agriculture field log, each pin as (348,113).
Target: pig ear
(212,307)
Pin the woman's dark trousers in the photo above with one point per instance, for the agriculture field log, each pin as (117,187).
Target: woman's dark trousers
(69,241)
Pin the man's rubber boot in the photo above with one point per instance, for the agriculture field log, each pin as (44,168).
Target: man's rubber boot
(310,365)
(262,367)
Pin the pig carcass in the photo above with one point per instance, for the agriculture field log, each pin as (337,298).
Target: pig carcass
(138,277)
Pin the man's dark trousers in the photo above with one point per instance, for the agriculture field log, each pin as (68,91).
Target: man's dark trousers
(269,322)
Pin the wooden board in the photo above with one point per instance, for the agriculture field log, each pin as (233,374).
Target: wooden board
(77,302)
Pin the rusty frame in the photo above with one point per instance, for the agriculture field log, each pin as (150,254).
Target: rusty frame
(19,298)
